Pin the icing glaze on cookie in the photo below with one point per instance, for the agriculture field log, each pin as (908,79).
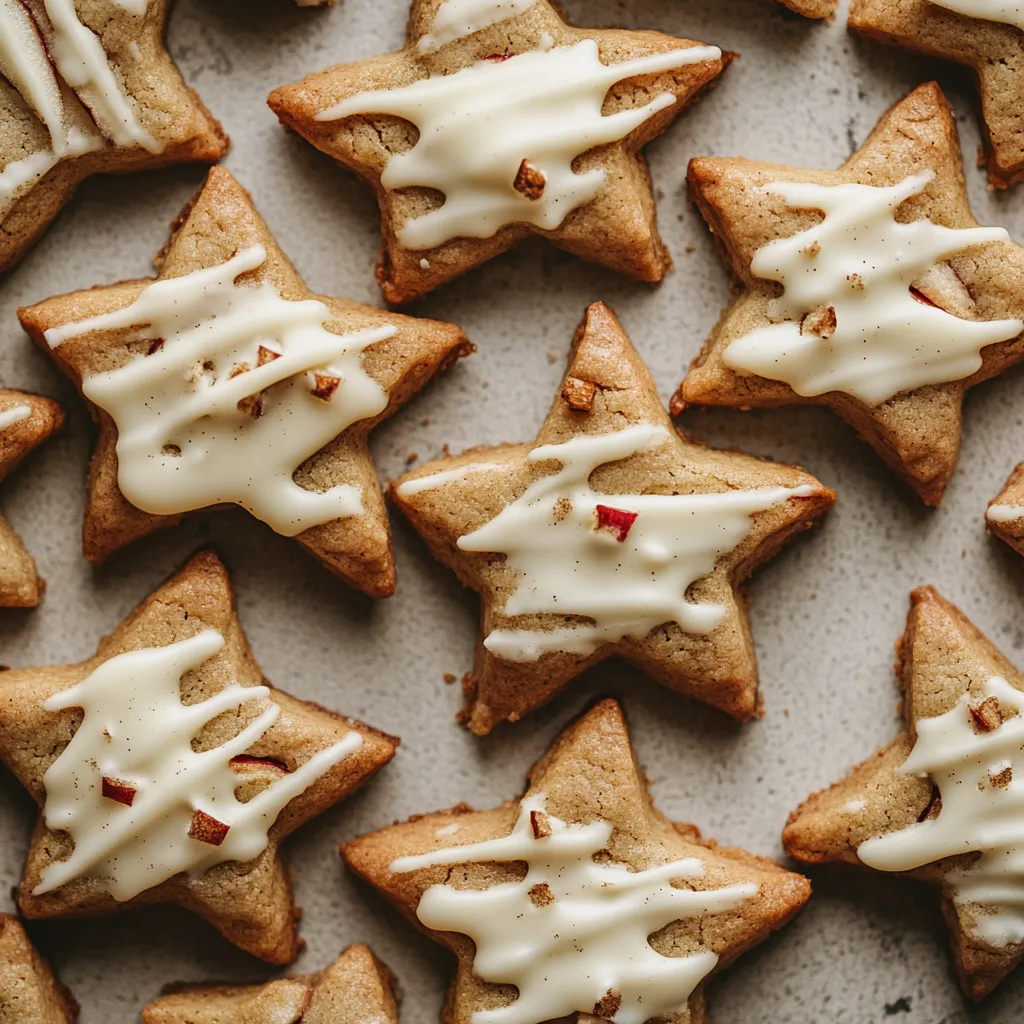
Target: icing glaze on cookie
(624,561)
(480,127)
(988,10)
(14,414)
(129,788)
(445,477)
(1004,513)
(574,931)
(456,19)
(225,406)
(861,263)
(980,778)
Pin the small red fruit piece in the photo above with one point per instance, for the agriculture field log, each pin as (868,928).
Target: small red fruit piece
(615,521)
(498,56)
(207,829)
(113,789)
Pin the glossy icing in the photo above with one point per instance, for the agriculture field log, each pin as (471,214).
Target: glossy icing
(988,10)
(446,476)
(455,19)
(980,778)
(574,929)
(862,262)
(14,414)
(135,745)
(190,432)
(479,125)
(1004,513)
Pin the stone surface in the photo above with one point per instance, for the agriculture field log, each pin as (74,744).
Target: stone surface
(825,614)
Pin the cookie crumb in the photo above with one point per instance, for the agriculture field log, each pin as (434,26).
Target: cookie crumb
(579,394)
(541,895)
(529,181)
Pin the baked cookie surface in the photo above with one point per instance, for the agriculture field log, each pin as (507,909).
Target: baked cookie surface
(168,771)
(942,801)
(356,989)
(634,547)
(813,8)
(26,421)
(29,993)
(87,87)
(265,392)
(870,290)
(987,36)
(630,934)
(1005,512)
(498,120)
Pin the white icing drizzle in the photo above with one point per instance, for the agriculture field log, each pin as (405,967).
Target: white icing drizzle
(132,6)
(862,262)
(567,565)
(456,19)
(479,125)
(981,812)
(81,59)
(444,477)
(136,732)
(566,955)
(1004,513)
(14,414)
(988,10)
(184,443)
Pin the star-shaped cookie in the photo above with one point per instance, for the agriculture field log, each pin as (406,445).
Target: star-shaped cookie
(942,802)
(87,87)
(29,993)
(644,564)
(356,989)
(162,780)
(1005,513)
(26,421)
(497,121)
(621,914)
(985,37)
(266,392)
(813,8)
(893,302)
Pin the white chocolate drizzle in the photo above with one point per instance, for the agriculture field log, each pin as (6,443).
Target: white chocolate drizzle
(137,734)
(862,262)
(987,10)
(479,126)
(569,563)
(446,476)
(587,936)
(14,414)
(184,442)
(1004,513)
(456,19)
(980,778)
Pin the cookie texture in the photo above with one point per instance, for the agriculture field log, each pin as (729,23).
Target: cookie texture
(586,790)
(28,990)
(572,573)
(961,302)
(1005,513)
(274,737)
(813,8)
(478,81)
(356,989)
(959,697)
(92,89)
(26,421)
(223,259)
(993,50)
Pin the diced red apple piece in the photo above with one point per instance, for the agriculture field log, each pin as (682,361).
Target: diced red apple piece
(615,521)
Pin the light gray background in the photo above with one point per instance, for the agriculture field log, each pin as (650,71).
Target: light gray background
(825,614)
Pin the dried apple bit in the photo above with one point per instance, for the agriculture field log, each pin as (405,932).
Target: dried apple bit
(615,521)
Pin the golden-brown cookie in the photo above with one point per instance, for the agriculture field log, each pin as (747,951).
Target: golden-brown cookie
(1005,513)
(167,773)
(87,86)
(813,8)
(619,909)
(244,388)
(985,36)
(870,289)
(644,564)
(29,993)
(497,121)
(942,802)
(356,989)
(26,421)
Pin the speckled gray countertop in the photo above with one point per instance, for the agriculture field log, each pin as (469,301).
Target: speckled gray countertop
(825,615)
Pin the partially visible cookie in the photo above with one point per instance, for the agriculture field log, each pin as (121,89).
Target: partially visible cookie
(942,803)
(356,989)
(621,914)
(813,8)
(168,770)
(985,35)
(496,121)
(29,993)
(26,421)
(87,86)
(1005,513)
(227,381)
(871,290)
(610,534)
